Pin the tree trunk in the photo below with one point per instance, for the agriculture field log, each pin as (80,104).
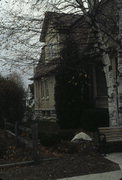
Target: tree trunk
(112,91)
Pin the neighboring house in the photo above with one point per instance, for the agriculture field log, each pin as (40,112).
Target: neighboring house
(30,96)
(103,71)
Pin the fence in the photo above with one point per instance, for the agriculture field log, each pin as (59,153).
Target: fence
(27,136)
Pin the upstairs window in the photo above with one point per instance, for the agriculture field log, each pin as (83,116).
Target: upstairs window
(52,47)
(52,51)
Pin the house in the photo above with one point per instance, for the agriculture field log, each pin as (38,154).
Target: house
(53,35)
(30,96)
(99,52)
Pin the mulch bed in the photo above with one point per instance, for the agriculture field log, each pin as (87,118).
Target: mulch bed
(53,164)
(67,166)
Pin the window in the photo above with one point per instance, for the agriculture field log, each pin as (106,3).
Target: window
(37,93)
(37,89)
(44,89)
(52,51)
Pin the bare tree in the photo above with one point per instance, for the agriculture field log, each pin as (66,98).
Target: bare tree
(20,31)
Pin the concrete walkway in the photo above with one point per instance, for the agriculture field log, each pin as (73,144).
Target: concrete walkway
(115,157)
(114,175)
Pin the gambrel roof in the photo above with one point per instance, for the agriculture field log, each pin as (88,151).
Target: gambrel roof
(59,21)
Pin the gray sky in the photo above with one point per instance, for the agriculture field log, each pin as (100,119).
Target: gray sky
(20,49)
(15,52)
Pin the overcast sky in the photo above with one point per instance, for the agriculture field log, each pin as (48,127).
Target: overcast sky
(10,48)
(20,49)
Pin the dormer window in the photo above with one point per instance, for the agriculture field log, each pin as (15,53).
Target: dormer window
(51,51)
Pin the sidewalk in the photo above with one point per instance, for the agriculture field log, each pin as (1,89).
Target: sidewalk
(115,157)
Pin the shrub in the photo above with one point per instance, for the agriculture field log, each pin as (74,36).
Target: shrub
(68,147)
(12,103)
(49,139)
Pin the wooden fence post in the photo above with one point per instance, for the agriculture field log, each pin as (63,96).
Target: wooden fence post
(5,124)
(35,141)
(16,129)
(16,132)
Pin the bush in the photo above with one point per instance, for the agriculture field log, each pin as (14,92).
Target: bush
(51,139)
(59,142)
(12,103)
(68,147)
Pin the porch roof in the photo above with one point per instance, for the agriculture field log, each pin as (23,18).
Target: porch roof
(45,69)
